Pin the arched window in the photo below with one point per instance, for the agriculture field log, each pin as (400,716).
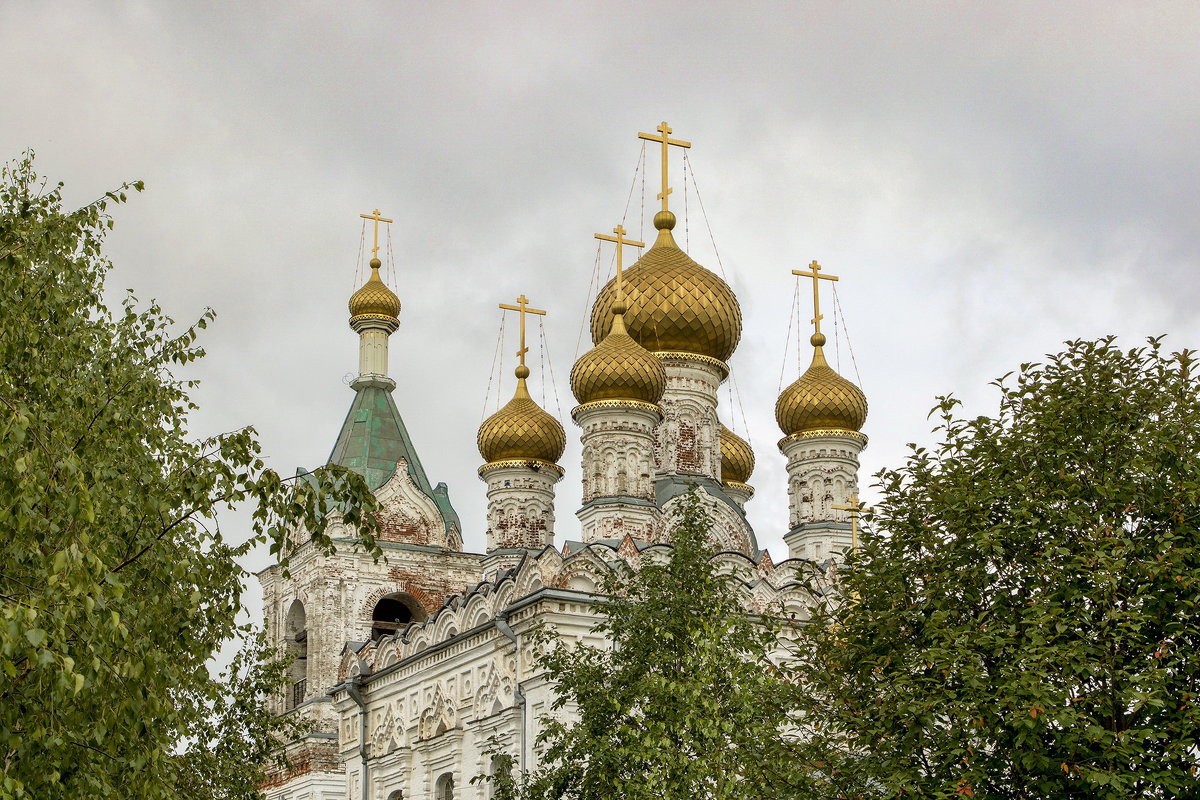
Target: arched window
(396,795)
(444,788)
(296,641)
(393,612)
(496,769)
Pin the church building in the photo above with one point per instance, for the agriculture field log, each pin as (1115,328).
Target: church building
(411,668)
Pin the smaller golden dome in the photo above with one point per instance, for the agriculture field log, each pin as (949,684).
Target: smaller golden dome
(521,430)
(737,459)
(820,399)
(618,369)
(374,298)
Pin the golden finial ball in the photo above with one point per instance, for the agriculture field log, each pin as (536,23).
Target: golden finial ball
(619,308)
(664,220)
(817,340)
(522,372)
(376,263)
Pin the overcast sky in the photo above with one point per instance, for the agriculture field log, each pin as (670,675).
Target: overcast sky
(986,179)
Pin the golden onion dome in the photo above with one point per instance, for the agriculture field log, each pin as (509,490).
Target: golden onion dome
(521,430)
(618,368)
(374,299)
(676,304)
(820,399)
(737,459)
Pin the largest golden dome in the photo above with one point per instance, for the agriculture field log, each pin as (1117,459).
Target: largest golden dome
(374,299)
(618,369)
(820,399)
(675,304)
(521,430)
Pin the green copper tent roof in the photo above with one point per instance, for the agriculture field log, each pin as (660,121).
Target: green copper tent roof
(372,441)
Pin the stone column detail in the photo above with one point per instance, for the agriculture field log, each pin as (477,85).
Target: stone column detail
(822,471)
(688,440)
(520,512)
(618,468)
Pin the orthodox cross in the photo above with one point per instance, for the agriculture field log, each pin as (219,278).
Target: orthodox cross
(523,307)
(378,219)
(855,507)
(815,273)
(621,241)
(664,130)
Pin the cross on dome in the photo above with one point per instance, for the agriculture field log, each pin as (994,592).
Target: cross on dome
(378,219)
(855,507)
(522,308)
(621,242)
(664,131)
(815,273)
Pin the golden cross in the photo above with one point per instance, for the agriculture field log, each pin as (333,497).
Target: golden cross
(621,241)
(815,273)
(664,130)
(524,309)
(378,219)
(855,507)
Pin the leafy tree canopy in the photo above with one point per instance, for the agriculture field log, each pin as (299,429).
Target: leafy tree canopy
(116,584)
(1028,624)
(684,704)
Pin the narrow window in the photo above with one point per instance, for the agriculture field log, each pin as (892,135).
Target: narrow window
(296,642)
(444,788)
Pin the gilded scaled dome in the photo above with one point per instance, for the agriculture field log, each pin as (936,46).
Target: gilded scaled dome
(521,430)
(618,369)
(737,459)
(374,299)
(820,399)
(675,304)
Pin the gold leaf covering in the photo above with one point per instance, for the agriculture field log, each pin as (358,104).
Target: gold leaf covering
(618,369)
(820,399)
(521,431)
(374,298)
(737,459)
(674,303)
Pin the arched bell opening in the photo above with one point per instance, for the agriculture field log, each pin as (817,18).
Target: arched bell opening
(393,612)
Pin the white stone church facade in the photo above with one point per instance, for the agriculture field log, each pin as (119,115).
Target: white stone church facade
(413,668)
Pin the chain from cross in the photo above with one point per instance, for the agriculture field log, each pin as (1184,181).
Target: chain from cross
(815,273)
(664,131)
(523,308)
(378,219)
(855,507)
(621,242)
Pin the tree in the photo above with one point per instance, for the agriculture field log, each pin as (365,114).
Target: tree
(685,703)
(117,585)
(1027,622)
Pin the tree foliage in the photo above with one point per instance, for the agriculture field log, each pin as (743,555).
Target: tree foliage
(117,585)
(684,704)
(1028,624)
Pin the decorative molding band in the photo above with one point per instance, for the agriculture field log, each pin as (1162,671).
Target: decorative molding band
(377,381)
(618,500)
(533,464)
(824,433)
(360,321)
(822,526)
(626,405)
(738,486)
(721,366)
